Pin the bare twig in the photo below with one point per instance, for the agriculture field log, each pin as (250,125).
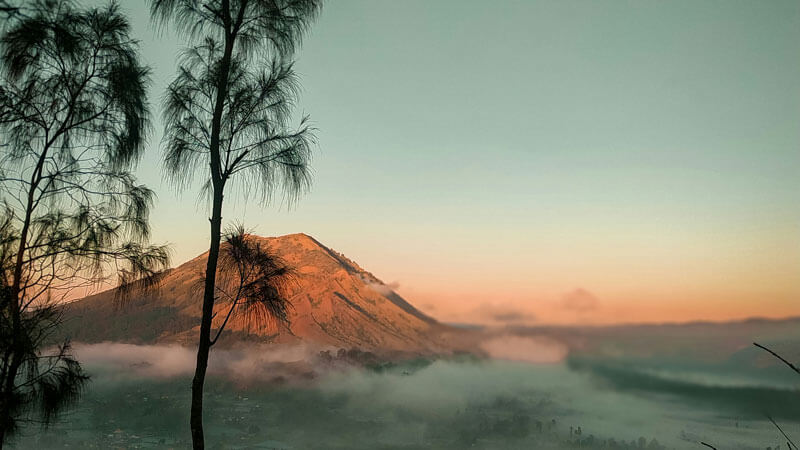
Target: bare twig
(792,366)
(789,442)
(708,445)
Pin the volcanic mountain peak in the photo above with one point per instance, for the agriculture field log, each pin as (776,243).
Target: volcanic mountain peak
(334,302)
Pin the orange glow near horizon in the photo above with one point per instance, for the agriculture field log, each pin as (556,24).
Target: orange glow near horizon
(591,177)
(452,308)
(566,276)
(608,280)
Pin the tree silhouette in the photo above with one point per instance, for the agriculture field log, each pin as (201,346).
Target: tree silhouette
(73,120)
(252,281)
(227,114)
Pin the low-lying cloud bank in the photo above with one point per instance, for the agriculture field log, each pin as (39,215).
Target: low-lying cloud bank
(536,349)
(258,362)
(440,404)
(165,361)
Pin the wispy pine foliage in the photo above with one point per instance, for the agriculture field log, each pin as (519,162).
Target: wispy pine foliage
(73,122)
(228,120)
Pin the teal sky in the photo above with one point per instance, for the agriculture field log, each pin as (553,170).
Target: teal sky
(498,156)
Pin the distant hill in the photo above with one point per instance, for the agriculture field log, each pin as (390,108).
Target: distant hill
(335,303)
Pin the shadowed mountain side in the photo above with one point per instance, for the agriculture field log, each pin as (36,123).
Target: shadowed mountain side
(334,302)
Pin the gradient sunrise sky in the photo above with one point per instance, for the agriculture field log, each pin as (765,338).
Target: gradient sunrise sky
(542,161)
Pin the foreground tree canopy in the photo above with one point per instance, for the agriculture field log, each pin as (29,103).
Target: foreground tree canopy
(73,122)
(228,120)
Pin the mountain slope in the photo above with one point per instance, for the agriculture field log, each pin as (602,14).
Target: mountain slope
(334,303)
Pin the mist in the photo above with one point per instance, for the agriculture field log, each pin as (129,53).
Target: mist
(251,363)
(531,392)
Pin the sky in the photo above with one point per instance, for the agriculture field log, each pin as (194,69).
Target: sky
(541,162)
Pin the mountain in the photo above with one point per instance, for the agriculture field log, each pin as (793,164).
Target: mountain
(334,303)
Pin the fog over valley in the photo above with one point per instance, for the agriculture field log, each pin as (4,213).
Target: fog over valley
(529,388)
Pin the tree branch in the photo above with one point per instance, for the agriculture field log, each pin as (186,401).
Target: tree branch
(791,366)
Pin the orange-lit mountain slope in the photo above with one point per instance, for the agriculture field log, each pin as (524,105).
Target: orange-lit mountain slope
(334,303)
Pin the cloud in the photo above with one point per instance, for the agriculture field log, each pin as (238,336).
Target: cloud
(162,361)
(378,286)
(384,288)
(580,300)
(513,316)
(168,361)
(505,314)
(535,349)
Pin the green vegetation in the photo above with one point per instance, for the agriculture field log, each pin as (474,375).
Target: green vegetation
(73,123)
(228,117)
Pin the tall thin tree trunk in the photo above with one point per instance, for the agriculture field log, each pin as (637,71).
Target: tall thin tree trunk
(204,346)
(218,185)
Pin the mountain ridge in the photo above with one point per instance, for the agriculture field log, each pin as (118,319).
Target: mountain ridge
(334,303)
